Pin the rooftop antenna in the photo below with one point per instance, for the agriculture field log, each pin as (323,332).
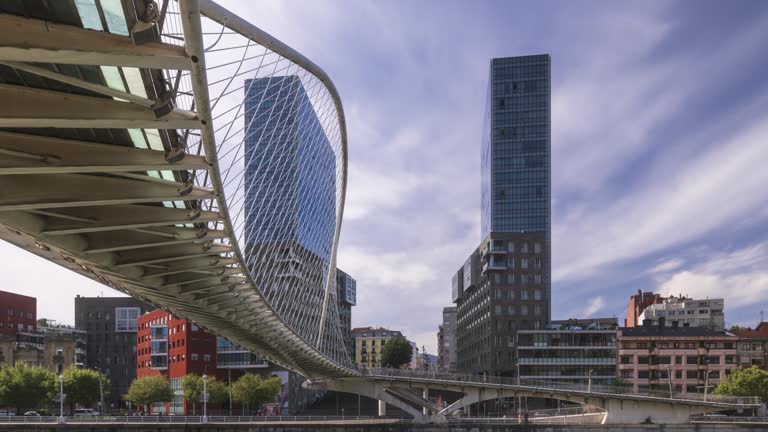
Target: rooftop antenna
(762,315)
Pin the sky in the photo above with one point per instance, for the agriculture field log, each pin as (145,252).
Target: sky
(659,150)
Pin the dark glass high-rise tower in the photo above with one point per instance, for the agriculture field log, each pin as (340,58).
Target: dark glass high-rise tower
(505,284)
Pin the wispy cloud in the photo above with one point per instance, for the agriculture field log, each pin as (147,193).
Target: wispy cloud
(739,276)
(595,305)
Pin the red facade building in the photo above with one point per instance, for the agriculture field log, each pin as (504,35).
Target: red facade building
(18,313)
(637,304)
(175,347)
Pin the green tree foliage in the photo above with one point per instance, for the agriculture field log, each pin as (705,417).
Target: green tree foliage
(82,386)
(254,390)
(743,381)
(146,390)
(218,392)
(396,352)
(192,386)
(23,386)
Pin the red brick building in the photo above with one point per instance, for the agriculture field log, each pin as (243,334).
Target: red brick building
(637,304)
(18,313)
(175,347)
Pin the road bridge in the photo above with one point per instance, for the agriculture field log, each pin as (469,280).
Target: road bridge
(177,153)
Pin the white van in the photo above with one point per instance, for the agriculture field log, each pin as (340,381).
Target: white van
(86,412)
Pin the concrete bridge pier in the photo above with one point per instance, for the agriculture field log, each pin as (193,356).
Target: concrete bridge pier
(425,395)
(382,408)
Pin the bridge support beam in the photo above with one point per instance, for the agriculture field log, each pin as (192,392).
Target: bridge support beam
(382,408)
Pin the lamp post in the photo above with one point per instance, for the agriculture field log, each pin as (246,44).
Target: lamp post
(706,383)
(205,399)
(589,381)
(669,378)
(101,395)
(229,379)
(61,398)
(519,397)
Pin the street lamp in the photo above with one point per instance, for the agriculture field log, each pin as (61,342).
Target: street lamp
(101,394)
(61,398)
(706,383)
(205,399)
(669,378)
(589,382)
(519,397)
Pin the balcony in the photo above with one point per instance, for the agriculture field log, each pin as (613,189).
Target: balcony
(159,361)
(158,333)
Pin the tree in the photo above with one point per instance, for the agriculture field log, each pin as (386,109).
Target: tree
(82,386)
(192,385)
(146,390)
(218,392)
(23,386)
(743,381)
(254,390)
(396,352)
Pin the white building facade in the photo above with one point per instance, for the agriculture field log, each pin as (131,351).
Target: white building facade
(687,312)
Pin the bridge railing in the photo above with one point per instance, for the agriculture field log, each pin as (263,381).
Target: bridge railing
(544,384)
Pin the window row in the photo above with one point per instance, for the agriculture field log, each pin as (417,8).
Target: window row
(519,162)
(503,148)
(530,131)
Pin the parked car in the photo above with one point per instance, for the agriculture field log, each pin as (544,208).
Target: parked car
(715,414)
(7,412)
(32,414)
(86,412)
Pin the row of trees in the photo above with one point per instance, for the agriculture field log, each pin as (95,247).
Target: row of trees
(25,387)
(249,389)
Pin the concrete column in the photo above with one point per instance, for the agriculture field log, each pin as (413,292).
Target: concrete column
(382,408)
(425,395)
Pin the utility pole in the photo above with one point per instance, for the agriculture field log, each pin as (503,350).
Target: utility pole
(706,384)
(101,395)
(589,383)
(205,399)
(229,378)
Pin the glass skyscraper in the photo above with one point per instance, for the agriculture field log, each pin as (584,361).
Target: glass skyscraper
(290,199)
(515,167)
(504,286)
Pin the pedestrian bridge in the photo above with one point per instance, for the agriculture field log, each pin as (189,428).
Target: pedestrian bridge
(409,391)
(177,153)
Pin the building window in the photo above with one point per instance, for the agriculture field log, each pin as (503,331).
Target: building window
(511,278)
(524,263)
(537,294)
(193,356)
(537,247)
(126,319)
(523,294)
(511,246)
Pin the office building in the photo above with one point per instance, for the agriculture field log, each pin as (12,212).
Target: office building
(446,341)
(110,324)
(655,357)
(504,285)
(369,342)
(346,296)
(18,313)
(753,346)
(687,312)
(290,201)
(637,304)
(566,351)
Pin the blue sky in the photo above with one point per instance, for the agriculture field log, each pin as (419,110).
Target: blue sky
(659,149)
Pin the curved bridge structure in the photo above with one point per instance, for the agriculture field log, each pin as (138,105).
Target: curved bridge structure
(177,153)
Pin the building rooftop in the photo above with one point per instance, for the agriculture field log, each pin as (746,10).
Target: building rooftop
(761,331)
(659,331)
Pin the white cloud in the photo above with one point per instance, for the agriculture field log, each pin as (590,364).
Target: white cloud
(597,304)
(670,209)
(667,265)
(740,276)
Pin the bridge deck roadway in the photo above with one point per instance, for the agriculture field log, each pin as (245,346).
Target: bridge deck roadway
(628,408)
